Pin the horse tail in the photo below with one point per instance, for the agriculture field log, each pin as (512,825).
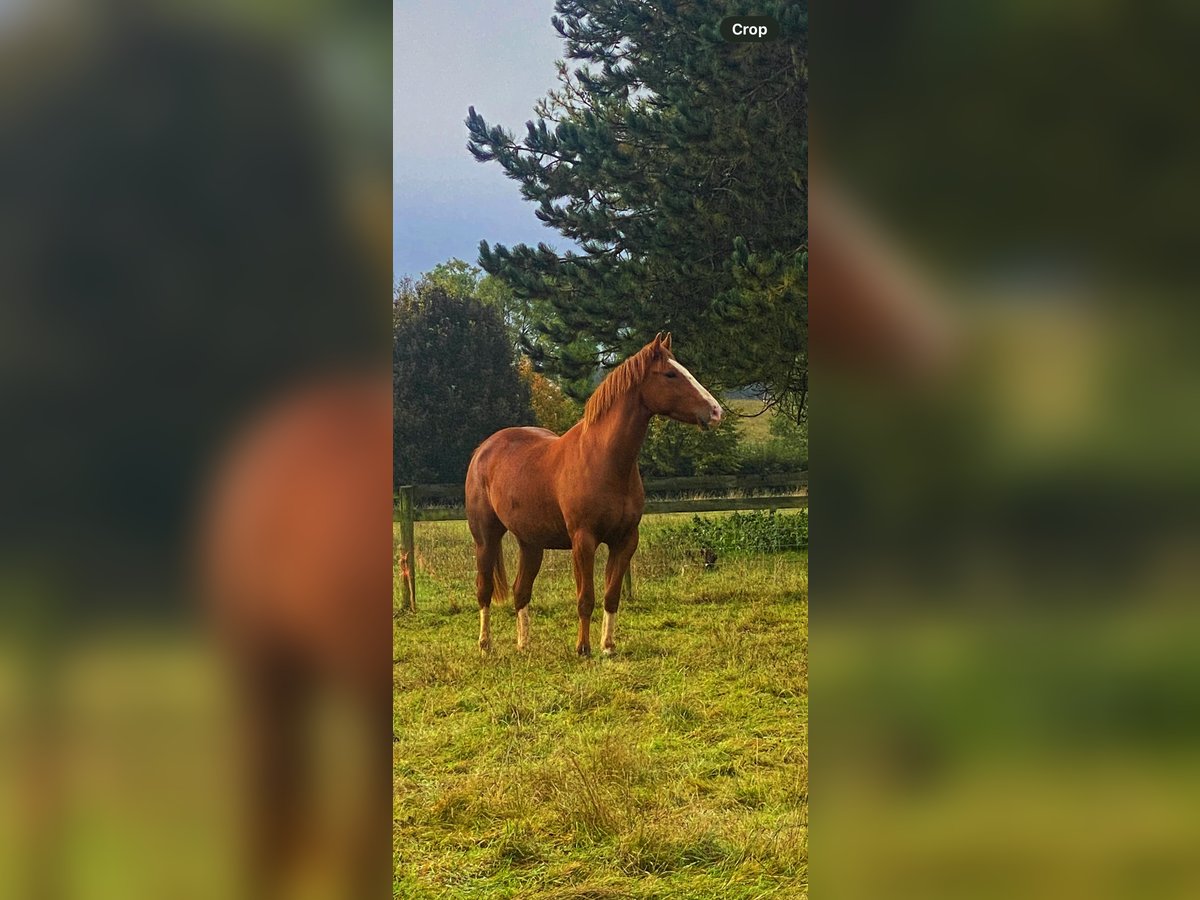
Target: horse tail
(500,577)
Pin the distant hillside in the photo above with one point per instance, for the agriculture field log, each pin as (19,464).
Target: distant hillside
(747,393)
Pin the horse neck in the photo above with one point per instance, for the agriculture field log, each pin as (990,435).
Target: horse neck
(614,441)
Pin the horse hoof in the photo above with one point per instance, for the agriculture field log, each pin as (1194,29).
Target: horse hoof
(484,649)
(584,650)
(609,651)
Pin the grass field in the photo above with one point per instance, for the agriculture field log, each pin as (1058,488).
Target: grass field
(756,426)
(677,769)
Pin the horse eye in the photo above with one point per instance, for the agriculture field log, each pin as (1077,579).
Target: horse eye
(669,374)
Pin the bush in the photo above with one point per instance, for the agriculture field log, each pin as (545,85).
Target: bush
(785,451)
(673,448)
(756,531)
(770,458)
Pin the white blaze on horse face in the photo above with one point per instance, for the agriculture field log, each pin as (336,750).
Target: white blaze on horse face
(607,644)
(523,628)
(701,390)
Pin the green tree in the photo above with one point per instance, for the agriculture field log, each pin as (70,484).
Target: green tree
(676,162)
(461,279)
(552,408)
(456,277)
(786,431)
(454,381)
(673,448)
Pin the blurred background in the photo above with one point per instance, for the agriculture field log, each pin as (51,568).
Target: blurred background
(1004,549)
(194,240)
(195,221)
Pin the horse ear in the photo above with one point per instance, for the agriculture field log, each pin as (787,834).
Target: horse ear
(667,341)
(656,344)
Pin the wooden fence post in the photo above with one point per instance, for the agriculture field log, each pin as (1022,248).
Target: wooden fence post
(408,561)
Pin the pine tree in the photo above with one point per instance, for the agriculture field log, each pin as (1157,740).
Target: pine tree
(676,162)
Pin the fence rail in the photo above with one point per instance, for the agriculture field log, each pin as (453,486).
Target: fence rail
(720,504)
(452,494)
(732,492)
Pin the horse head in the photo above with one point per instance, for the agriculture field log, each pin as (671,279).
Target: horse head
(669,389)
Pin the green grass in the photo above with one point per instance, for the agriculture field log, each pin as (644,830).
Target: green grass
(677,769)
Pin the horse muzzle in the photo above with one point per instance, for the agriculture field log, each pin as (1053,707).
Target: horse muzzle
(709,418)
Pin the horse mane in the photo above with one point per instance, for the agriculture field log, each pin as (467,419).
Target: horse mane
(617,383)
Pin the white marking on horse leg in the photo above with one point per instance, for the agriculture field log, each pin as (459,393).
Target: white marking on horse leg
(523,628)
(485,628)
(608,644)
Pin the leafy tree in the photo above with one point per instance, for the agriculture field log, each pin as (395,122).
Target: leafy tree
(673,448)
(454,381)
(552,408)
(455,277)
(787,431)
(676,162)
(461,279)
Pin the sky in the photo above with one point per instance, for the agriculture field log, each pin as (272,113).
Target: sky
(497,57)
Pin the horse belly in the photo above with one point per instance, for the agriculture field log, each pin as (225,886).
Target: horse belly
(534,518)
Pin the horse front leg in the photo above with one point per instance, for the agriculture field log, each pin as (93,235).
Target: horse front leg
(619,557)
(583,554)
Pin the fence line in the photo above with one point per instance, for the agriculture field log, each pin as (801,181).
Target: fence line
(452,494)
(721,504)
(447,500)
(407,511)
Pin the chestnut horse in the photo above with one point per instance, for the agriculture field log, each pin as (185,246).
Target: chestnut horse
(576,491)
(295,560)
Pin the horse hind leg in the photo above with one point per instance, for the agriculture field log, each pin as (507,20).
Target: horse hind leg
(275,697)
(488,566)
(527,569)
